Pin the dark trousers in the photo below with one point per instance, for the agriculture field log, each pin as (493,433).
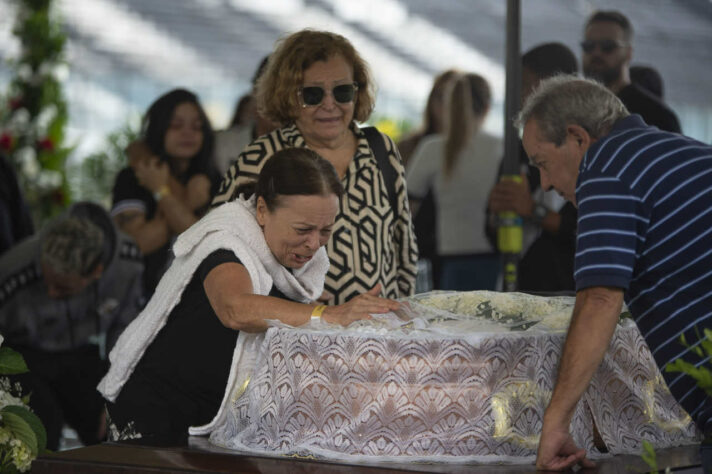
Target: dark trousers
(62,389)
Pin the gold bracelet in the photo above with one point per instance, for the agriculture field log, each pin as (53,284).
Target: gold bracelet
(162,192)
(317,311)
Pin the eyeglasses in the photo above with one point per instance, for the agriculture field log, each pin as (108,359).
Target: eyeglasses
(606,46)
(314,95)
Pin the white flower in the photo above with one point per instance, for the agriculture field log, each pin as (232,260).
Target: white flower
(27,157)
(20,118)
(6,397)
(46,116)
(24,72)
(61,72)
(49,179)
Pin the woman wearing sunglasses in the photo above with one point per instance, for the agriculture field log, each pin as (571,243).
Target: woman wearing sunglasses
(318,87)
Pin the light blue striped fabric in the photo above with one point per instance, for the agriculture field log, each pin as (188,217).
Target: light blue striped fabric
(645,225)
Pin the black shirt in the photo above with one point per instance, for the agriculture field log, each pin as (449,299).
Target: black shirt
(128,192)
(654,112)
(15,220)
(184,372)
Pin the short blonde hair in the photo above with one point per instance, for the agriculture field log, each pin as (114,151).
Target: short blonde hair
(277,90)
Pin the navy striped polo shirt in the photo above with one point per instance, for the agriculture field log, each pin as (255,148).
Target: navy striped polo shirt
(645,225)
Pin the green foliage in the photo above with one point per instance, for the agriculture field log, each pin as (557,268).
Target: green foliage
(93,178)
(11,362)
(22,435)
(649,456)
(33,112)
(396,129)
(702,374)
(26,427)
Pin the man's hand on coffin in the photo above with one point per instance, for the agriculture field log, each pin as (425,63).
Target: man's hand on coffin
(558,452)
(593,322)
(360,307)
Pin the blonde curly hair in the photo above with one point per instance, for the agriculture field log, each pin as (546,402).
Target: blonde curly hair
(277,90)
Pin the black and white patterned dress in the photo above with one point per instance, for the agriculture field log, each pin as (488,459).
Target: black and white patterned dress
(370,243)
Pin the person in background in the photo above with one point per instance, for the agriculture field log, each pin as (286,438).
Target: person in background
(15,219)
(549,227)
(649,79)
(247,124)
(644,199)
(259,257)
(245,111)
(169,181)
(65,296)
(607,53)
(318,87)
(424,220)
(459,166)
(433,116)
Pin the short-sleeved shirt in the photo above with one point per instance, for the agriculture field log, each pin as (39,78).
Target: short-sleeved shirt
(461,198)
(187,365)
(128,194)
(370,242)
(645,225)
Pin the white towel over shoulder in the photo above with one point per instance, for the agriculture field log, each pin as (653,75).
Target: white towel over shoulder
(232,226)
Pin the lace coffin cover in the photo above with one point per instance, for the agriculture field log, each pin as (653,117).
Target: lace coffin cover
(456,377)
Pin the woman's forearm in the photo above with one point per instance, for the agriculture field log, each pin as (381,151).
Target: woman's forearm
(177,213)
(231,295)
(149,235)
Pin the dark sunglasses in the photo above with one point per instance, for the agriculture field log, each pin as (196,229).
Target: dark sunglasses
(314,95)
(606,46)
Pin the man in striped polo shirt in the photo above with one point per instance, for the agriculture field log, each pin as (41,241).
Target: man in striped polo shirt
(644,199)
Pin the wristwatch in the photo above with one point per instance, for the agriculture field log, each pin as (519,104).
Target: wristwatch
(539,213)
(161,193)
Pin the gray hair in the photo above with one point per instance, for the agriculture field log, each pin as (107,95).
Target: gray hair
(73,245)
(565,99)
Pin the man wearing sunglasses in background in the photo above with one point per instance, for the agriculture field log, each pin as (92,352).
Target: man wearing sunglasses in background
(607,53)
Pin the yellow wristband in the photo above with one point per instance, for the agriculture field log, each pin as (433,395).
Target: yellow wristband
(162,192)
(316,312)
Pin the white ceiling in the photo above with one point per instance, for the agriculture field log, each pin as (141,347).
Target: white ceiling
(124,53)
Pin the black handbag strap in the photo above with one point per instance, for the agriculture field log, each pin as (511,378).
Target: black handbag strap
(378,147)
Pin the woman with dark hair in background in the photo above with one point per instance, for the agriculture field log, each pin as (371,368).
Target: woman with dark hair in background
(170,179)
(460,166)
(247,261)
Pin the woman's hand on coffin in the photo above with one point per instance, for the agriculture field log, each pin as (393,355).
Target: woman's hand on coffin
(360,307)
(558,452)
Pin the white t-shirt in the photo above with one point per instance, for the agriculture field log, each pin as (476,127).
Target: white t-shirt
(461,199)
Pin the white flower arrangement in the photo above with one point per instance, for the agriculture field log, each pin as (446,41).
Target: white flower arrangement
(22,436)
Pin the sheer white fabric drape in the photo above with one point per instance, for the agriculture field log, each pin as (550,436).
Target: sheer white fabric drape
(457,377)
